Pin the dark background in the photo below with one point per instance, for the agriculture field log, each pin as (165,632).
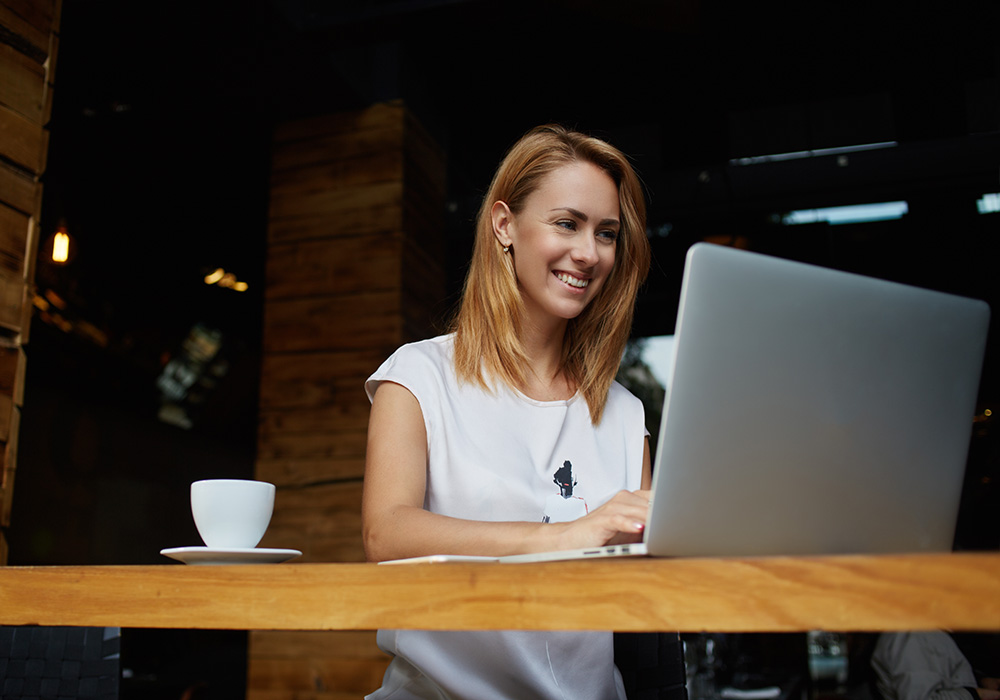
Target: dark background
(159,164)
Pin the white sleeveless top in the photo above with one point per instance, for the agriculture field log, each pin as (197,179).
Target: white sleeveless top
(495,457)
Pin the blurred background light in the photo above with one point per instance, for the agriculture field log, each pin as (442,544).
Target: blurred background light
(852,214)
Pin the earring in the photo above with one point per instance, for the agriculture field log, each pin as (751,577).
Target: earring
(506,248)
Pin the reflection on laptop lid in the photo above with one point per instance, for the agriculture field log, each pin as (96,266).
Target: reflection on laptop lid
(812,411)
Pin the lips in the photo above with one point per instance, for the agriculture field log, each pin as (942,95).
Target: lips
(572,281)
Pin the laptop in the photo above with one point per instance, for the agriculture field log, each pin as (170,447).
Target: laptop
(809,411)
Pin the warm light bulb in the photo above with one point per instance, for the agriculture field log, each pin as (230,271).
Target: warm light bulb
(215,276)
(60,248)
(241,286)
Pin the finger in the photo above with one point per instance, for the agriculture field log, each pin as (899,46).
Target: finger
(631,522)
(635,508)
(640,497)
(633,525)
(622,519)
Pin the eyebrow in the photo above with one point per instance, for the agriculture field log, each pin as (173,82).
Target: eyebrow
(583,217)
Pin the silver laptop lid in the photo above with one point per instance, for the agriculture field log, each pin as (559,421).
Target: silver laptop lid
(813,411)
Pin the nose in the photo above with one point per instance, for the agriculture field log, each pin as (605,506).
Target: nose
(585,250)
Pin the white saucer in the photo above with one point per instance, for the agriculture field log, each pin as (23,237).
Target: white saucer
(210,555)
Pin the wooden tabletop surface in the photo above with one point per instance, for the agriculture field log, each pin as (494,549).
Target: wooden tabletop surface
(841,593)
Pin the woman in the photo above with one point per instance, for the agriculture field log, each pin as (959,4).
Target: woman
(471,433)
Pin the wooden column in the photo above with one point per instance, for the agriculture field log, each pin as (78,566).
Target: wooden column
(29,39)
(354,269)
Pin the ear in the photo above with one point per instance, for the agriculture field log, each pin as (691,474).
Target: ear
(503,222)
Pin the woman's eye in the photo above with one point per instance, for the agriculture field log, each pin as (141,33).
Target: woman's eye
(609,236)
(567,224)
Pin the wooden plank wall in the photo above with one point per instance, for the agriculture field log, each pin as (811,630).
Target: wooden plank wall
(29,42)
(354,269)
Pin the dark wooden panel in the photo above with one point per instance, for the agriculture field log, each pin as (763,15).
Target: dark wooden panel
(318,379)
(25,28)
(387,115)
(9,450)
(355,322)
(27,69)
(19,190)
(29,265)
(22,83)
(323,521)
(22,141)
(302,459)
(323,267)
(384,218)
(315,665)
(303,472)
(12,366)
(292,156)
(13,238)
(6,409)
(349,415)
(426,308)
(43,15)
(336,203)
(12,300)
(305,166)
(425,163)
(314,446)
(355,268)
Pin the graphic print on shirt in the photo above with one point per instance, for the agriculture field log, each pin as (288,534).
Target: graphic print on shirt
(564,506)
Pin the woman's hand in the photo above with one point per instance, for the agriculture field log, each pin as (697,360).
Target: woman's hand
(619,521)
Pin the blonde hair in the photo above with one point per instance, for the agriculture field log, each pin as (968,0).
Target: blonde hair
(487,325)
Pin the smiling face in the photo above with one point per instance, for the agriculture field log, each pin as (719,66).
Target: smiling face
(563,241)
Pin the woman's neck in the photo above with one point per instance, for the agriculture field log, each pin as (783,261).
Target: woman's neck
(546,378)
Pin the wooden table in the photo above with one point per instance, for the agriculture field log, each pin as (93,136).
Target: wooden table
(771,594)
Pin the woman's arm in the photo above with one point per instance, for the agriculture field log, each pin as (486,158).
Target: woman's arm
(647,466)
(395,524)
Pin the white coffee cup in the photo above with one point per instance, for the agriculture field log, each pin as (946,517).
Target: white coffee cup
(232,513)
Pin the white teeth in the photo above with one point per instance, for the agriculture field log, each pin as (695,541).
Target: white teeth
(572,281)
